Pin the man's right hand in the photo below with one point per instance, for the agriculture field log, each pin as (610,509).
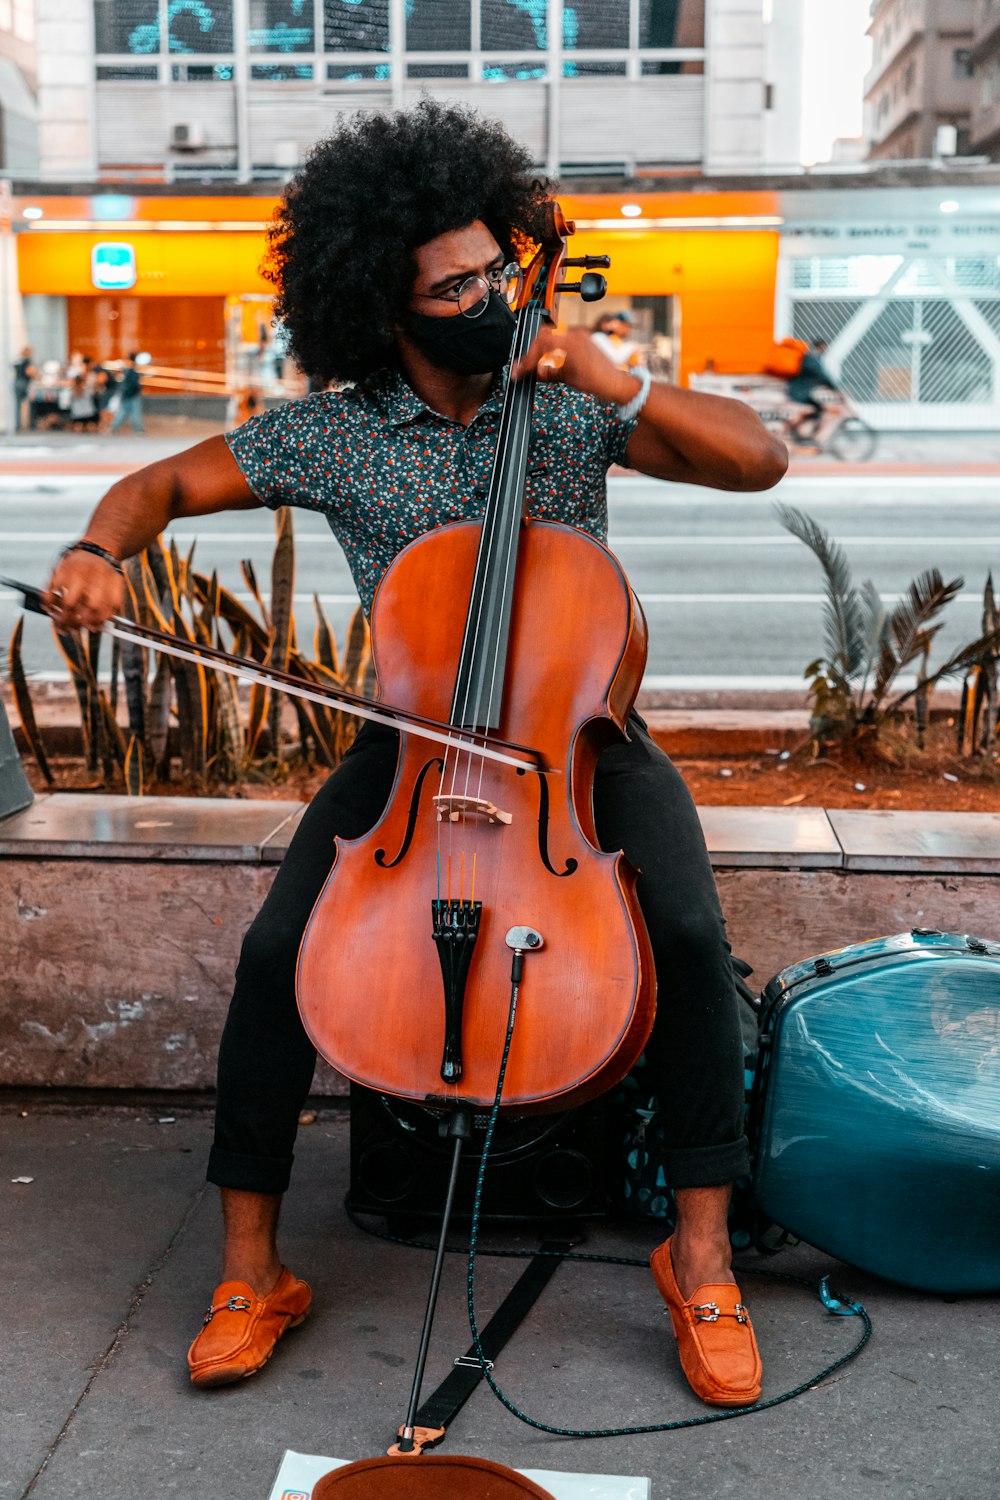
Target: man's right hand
(83,591)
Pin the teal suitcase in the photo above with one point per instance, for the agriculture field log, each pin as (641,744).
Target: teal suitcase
(875,1120)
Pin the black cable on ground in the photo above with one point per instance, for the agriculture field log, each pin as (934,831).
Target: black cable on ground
(833,1304)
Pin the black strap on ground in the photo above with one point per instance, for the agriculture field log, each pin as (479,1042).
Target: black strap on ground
(442,1407)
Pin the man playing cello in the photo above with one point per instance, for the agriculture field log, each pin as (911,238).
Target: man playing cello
(390,254)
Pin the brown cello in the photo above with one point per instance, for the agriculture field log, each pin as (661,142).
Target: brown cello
(508,629)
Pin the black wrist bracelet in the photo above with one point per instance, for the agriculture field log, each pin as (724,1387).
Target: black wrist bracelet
(95,551)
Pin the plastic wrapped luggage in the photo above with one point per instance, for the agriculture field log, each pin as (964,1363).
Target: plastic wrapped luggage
(876,1114)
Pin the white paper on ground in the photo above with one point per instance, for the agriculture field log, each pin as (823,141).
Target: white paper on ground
(300,1471)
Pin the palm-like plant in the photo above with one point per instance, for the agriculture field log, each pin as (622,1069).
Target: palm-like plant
(186,709)
(977,719)
(867,646)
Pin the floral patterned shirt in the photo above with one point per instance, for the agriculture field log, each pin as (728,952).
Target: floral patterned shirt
(383,468)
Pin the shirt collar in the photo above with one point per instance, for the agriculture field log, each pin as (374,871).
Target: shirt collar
(401,403)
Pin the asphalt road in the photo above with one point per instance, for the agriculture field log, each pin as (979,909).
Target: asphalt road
(733,600)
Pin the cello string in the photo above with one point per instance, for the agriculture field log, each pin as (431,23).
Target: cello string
(527,394)
(474,622)
(527,327)
(522,403)
(495,530)
(492,542)
(471,638)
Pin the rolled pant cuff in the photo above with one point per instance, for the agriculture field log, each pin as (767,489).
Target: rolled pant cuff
(707,1166)
(249,1174)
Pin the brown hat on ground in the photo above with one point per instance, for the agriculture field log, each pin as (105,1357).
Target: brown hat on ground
(429,1477)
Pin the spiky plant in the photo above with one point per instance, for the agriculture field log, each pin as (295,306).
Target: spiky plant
(187,711)
(977,719)
(868,646)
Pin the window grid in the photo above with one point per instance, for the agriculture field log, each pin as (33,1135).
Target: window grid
(482,65)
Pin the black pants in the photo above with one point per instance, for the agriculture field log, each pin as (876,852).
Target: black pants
(695,1055)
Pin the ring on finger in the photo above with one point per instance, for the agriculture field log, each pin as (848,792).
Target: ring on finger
(552,362)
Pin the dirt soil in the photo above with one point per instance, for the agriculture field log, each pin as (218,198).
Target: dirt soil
(897,776)
(949,785)
(895,773)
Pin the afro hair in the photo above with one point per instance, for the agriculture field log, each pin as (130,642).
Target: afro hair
(341,243)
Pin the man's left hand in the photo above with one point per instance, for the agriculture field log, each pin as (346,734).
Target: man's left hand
(570,356)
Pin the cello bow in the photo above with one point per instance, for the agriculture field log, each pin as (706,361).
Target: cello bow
(245,669)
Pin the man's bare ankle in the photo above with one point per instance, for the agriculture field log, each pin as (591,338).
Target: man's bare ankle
(261,1274)
(250,1250)
(700,1259)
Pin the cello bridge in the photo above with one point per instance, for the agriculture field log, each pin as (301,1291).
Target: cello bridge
(452,807)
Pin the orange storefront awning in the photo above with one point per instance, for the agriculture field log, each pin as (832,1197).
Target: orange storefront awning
(717,252)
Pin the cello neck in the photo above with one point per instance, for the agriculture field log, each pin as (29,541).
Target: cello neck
(479,685)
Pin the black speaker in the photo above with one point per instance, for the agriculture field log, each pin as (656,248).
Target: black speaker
(541,1168)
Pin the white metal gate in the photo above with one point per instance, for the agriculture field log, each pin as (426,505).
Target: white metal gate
(913,337)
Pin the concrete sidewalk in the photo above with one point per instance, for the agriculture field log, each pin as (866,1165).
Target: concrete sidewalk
(79,452)
(48,452)
(110,1257)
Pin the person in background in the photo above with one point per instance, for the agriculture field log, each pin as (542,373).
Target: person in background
(104,384)
(83,401)
(279,349)
(130,397)
(613,336)
(263,361)
(24,373)
(812,375)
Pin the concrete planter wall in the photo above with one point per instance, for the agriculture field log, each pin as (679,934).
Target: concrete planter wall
(121,919)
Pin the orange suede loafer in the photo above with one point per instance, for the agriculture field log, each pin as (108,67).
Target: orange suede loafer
(241,1329)
(715,1339)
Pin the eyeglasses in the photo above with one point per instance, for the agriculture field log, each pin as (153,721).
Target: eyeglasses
(473,294)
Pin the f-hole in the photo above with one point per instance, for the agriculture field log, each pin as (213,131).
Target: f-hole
(411,819)
(543,830)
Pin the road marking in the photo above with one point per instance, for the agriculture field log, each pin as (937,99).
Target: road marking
(9,596)
(182,538)
(618,488)
(617,543)
(735,598)
(32,483)
(738,539)
(653,682)
(6,596)
(887,481)
(704,682)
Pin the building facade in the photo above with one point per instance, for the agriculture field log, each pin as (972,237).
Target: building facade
(903,283)
(18,89)
(985,123)
(919,90)
(168,125)
(239,89)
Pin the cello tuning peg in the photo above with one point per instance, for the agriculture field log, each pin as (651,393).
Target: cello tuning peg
(589,262)
(591,287)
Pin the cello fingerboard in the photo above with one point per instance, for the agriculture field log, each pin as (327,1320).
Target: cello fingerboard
(482,666)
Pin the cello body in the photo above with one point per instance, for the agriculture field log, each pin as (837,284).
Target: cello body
(518,845)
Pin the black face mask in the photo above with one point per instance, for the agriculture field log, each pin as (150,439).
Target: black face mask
(469,346)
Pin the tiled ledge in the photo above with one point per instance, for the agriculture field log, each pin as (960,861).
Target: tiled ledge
(73,825)
(80,825)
